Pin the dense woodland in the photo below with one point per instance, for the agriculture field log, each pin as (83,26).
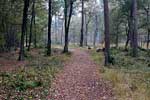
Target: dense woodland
(38,38)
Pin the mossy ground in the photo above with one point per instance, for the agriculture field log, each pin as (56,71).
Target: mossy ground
(32,81)
(129,76)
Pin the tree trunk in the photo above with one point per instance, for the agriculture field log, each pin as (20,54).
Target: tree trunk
(86,35)
(56,40)
(107,34)
(49,28)
(66,32)
(62,32)
(96,30)
(134,27)
(24,22)
(82,25)
(127,42)
(31,24)
(35,37)
(26,35)
(117,36)
(148,25)
(86,30)
(67,23)
(148,38)
(128,33)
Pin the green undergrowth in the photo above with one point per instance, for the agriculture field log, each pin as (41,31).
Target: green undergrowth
(129,76)
(34,80)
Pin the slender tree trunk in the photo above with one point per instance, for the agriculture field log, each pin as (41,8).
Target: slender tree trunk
(24,22)
(26,36)
(141,42)
(86,31)
(31,24)
(128,33)
(117,36)
(74,39)
(107,34)
(56,28)
(127,42)
(3,15)
(148,25)
(67,23)
(35,37)
(49,28)
(134,28)
(96,30)
(148,38)
(117,40)
(86,35)
(82,25)
(94,39)
(66,32)
(62,32)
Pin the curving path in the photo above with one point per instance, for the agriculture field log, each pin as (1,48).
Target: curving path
(80,80)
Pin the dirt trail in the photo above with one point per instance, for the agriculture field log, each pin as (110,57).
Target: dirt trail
(80,80)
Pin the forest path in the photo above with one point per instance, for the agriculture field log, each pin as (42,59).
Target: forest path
(80,80)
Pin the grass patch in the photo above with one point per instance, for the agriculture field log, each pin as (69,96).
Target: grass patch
(129,76)
(34,80)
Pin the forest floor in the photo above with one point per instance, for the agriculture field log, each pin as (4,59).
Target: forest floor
(8,61)
(30,79)
(129,76)
(72,76)
(78,75)
(80,80)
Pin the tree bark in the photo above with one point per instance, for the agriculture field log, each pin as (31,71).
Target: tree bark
(134,28)
(49,29)
(86,34)
(67,23)
(117,36)
(127,42)
(26,35)
(96,30)
(148,25)
(56,28)
(31,24)
(24,22)
(62,32)
(148,38)
(35,37)
(86,29)
(82,26)
(128,33)
(107,34)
